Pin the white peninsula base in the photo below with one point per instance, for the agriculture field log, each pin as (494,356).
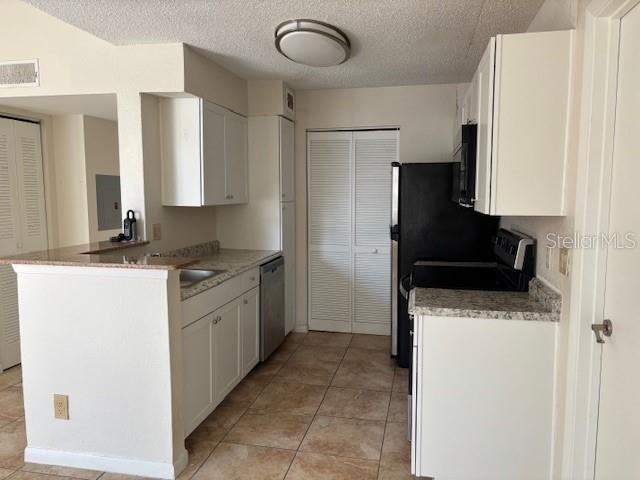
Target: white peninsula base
(109,339)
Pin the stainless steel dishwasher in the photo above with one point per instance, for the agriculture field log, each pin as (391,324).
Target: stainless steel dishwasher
(271,307)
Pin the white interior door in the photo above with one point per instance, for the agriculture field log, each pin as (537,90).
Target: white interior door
(374,151)
(618,434)
(349,189)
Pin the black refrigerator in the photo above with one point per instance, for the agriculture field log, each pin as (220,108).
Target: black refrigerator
(427,225)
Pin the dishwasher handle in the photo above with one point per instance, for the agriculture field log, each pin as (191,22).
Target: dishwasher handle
(272,266)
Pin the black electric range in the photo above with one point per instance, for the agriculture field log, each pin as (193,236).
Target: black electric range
(511,270)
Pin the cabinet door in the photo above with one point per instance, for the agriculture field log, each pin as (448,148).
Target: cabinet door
(250,330)
(213,154)
(235,158)
(197,349)
(227,363)
(485,89)
(287,161)
(288,227)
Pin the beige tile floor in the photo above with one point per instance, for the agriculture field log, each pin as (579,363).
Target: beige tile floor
(325,406)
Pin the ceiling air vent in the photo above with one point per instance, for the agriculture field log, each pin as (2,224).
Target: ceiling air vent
(23,73)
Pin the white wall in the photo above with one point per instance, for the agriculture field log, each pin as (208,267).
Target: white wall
(205,79)
(73,62)
(46,131)
(101,158)
(83,146)
(425,115)
(71,215)
(555,15)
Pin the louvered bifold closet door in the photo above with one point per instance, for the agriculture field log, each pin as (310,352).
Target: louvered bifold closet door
(374,152)
(22,220)
(9,210)
(9,239)
(330,230)
(31,183)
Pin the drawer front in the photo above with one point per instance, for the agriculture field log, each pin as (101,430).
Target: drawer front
(251,278)
(206,302)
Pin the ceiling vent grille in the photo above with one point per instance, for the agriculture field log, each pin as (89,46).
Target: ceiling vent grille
(23,73)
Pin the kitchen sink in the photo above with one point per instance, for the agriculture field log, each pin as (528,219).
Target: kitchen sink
(189,278)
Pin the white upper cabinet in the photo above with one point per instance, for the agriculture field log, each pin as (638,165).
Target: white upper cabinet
(287,161)
(522,89)
(204,154)
(483,87)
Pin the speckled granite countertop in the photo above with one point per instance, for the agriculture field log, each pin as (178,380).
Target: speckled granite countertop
(539,304)
(99,254)
(233,261)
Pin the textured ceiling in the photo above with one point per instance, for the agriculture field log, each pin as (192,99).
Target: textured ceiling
(395,42)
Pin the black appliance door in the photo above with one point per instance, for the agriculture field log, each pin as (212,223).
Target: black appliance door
(431,226)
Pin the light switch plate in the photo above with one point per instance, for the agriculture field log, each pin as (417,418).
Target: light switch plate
(157,231)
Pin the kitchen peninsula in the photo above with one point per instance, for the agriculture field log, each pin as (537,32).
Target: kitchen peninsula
(98,320)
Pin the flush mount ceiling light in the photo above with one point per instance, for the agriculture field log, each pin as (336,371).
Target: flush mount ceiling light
(312,43)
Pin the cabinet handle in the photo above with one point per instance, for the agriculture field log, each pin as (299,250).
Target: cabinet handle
(253,279)
(245,301)
(229,197)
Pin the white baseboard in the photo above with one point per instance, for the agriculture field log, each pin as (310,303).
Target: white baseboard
(107,464)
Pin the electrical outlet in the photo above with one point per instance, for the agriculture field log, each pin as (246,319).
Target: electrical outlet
(157,231)
(564,261)
(61,406)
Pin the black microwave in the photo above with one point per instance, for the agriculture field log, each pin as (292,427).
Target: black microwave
(464,167)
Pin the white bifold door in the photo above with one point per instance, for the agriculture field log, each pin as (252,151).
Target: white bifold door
(349,189)
(22,220)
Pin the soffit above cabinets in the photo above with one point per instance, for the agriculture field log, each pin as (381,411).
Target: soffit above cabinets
(399,42)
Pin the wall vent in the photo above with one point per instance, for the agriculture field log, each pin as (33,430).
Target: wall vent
(21,73)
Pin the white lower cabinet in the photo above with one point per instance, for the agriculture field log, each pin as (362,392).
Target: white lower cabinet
(227,350)
(197,348)
(250,330)
(219,349)
(483,398)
